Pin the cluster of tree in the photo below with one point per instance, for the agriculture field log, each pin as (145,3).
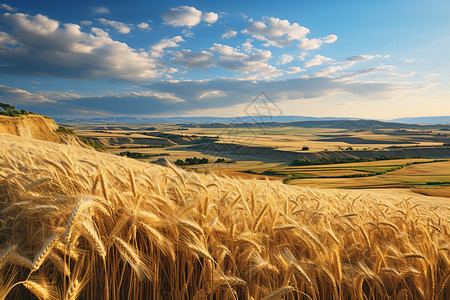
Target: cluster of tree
(10,110)
(338,160)
(438,183)
(92,143)
(192,161)
(141,155)
(223,160)
(63,129)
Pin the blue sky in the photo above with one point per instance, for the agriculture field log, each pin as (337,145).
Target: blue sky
(369,59)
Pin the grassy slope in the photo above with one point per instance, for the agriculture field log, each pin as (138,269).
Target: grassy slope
(78,223)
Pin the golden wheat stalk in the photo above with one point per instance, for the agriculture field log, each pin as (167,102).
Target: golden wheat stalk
(43,253)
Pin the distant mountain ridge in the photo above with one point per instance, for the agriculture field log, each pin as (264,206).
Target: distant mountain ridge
(424,120)
(351,124)
(243,119)
(195,120)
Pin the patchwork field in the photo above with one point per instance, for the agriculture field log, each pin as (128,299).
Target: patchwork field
(267,152)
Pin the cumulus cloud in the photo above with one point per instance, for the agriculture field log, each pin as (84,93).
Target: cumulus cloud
(144,26)
(187,16)
(281,33)
(193,59)
(249,60)
(311,44)
(101,10)
(317,61)
(182,16)
(285,59)
(118,26)
(330,39)
(158,49)
(229,34)
(294,70)
(7,7)
(47,48)
(18,96)
(210,17)
(276,32)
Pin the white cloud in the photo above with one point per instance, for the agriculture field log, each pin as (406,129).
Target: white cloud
(328,71)
(47,48)
(330,39)
(309,44)
(182,16)
(317,61)
(86,23)
(210,17)
(294,70)
(281,33)
(101,10)
(194,60)
(188,16)
(158,49)
(144,26)
(251,60)
(18,96)
(285,59)
(312,44)
(229,34)
(118,26)
(276,32)
(7,7)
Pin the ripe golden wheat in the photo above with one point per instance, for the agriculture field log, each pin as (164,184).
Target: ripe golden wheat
(75,224)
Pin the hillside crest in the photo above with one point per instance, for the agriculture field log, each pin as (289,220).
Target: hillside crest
(30,126)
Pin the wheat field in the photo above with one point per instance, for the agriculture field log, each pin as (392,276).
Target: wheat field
(78,224)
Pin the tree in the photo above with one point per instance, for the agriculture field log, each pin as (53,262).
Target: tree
(7,107)
(305,148)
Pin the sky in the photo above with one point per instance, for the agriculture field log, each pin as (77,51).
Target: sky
(379,59)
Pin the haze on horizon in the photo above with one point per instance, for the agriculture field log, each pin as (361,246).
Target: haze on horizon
(382,59)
